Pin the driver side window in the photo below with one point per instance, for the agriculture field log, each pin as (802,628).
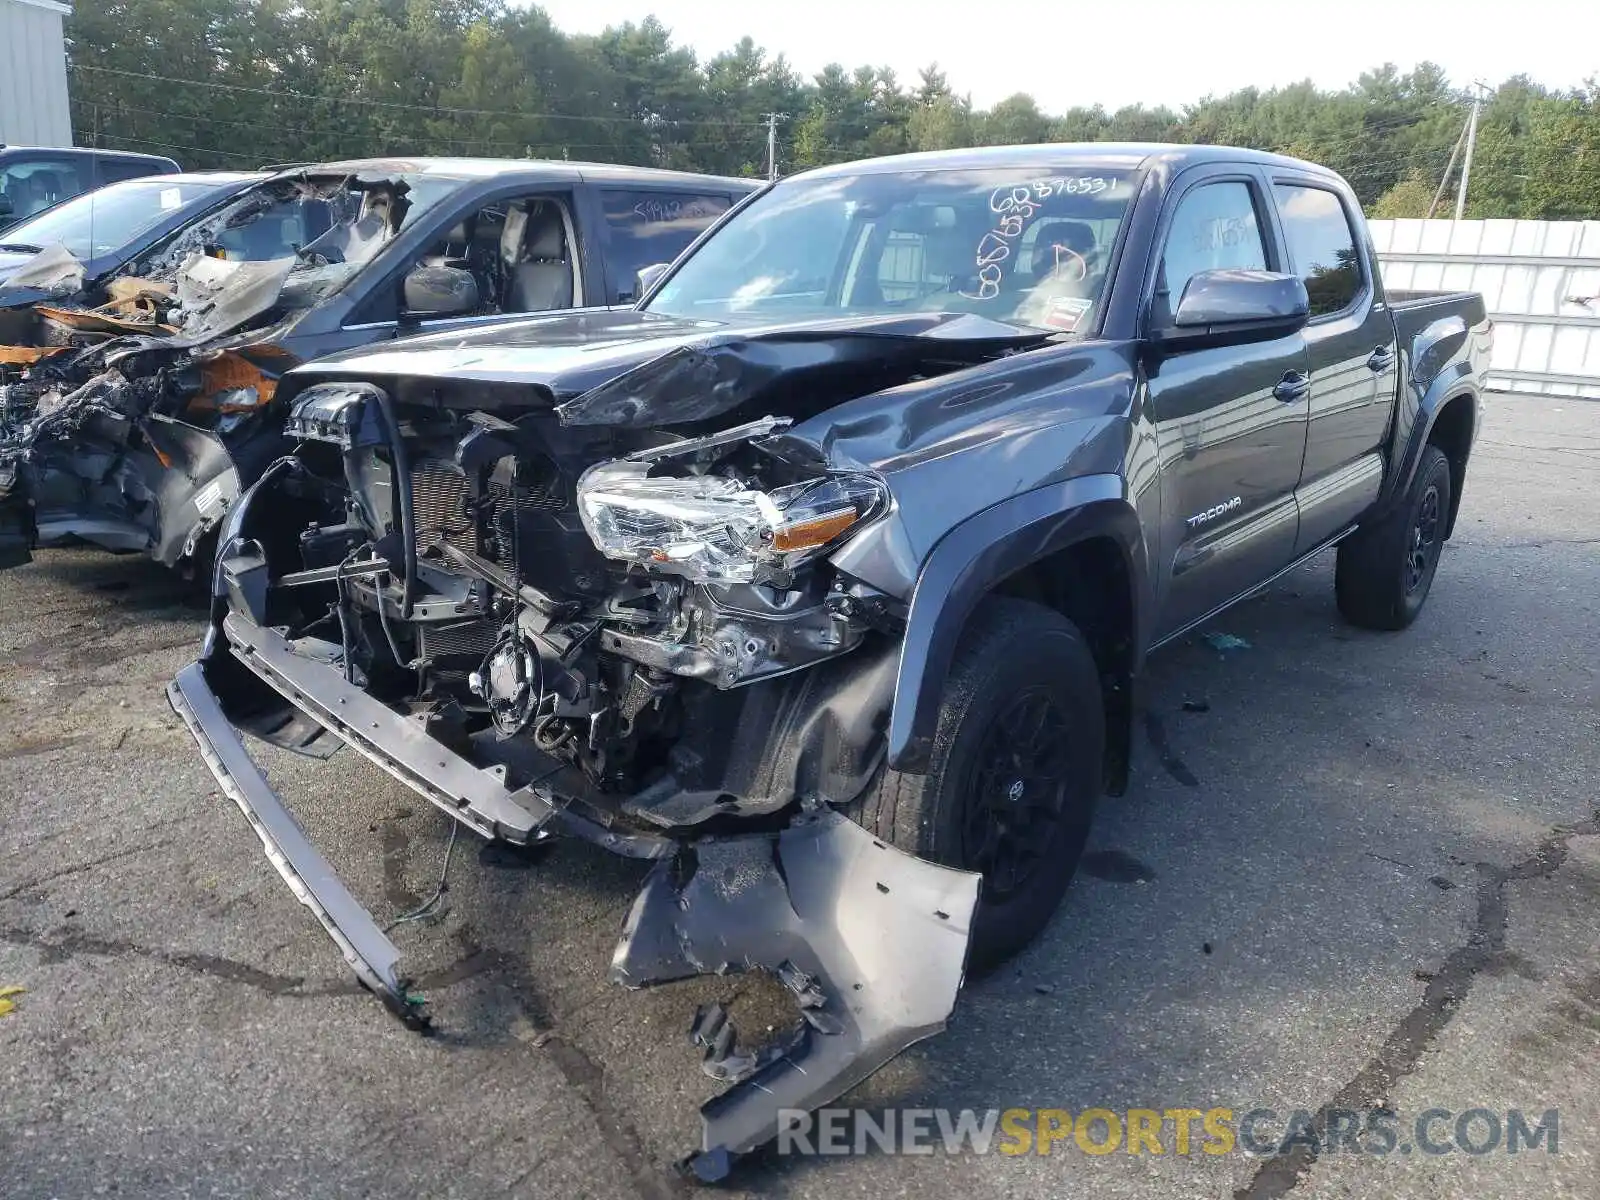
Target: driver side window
(510,256)
(1214,227)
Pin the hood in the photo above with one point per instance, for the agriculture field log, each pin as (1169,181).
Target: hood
(53,271)
(10,260)
(627,367)
(217,297)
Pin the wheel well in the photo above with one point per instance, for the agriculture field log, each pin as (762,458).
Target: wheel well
(1089,583)
(1452,433)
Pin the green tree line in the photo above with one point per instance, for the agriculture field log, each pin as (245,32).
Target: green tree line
(235,83)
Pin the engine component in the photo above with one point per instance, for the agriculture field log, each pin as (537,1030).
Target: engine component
(511,680)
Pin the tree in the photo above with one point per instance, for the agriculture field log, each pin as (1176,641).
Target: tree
(1015,121)
(242,82)
(1411,197)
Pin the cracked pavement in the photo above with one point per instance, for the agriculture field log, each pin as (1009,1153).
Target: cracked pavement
(1368,872)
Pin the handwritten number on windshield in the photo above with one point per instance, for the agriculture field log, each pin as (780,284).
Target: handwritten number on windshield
(1016,206)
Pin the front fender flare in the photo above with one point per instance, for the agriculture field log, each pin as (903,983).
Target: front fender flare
(967,563)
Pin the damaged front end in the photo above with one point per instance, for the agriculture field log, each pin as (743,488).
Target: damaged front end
(131,415)
(138,445)
(547,626)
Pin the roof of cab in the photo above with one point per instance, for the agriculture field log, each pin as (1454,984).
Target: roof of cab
(218,178)
(1114,155)
(84,151)
(492,168)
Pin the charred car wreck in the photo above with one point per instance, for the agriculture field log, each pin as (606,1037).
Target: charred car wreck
(135,408)
(821,578)
(135,425)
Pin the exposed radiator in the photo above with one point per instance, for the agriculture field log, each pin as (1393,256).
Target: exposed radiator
(471,638)
(456,650)
(439,507)
(439,498)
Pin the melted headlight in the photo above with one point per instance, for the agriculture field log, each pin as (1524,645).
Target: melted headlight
(717,529)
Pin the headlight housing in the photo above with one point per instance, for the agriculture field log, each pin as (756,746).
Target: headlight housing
(717,529)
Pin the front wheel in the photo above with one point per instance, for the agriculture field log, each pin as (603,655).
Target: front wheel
(1014,775)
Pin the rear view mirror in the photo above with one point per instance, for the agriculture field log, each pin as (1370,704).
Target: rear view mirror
(432,291)
(1229,306)
(647,278)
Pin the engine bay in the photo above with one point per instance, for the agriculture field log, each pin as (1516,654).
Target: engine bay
(630,606)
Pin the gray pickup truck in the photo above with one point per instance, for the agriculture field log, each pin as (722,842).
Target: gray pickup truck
(822,576)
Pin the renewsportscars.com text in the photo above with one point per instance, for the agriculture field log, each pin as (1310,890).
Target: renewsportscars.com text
(1256,1132)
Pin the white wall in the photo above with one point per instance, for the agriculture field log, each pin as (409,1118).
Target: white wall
(1539,279)
(33,74)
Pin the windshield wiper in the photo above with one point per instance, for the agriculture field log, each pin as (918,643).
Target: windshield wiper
(21,248)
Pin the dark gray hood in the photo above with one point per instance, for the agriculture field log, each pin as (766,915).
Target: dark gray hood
(627,367)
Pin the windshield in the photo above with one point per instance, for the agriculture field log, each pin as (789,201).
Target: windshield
(331,226)
(1029,246)
(104,221)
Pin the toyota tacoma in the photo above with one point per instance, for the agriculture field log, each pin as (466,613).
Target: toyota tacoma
(821,576)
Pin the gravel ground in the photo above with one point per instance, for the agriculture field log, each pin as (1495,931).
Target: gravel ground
(1366,873)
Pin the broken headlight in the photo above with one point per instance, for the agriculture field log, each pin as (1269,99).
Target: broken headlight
(717,529)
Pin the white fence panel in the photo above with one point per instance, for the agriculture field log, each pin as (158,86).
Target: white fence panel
(1539,279)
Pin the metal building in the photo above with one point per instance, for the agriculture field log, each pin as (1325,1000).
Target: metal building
(33,74)
(1540,280)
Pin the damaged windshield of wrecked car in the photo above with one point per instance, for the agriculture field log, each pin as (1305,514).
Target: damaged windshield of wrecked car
(100,222)
(321,222)
(1025,245)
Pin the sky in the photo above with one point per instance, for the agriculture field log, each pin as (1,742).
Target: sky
(1116,52)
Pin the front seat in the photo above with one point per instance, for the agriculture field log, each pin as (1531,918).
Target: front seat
(47,188)
(1074,236)
(542,280)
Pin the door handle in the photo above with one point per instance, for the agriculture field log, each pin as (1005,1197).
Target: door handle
(1381,359)
(1293,386)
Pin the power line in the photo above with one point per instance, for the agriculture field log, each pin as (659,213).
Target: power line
(144,141)
(427,108)
(289,131)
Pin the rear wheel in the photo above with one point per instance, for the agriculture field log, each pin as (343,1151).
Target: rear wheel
(1384,573)
(1014,774)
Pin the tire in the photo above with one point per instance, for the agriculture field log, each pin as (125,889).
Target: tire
(1020,667)
(1384,573)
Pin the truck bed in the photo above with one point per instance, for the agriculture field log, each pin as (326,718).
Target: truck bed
(1409,301)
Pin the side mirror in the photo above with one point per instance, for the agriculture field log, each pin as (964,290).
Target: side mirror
(440,292)
(647,278)
(1230,307)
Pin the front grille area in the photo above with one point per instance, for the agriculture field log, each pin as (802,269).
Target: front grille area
(440,498)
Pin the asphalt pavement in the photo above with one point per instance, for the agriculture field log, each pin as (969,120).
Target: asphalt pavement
(1355,871)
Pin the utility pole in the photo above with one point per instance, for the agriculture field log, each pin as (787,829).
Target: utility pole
(1449,169)
(772,141)
(1472,137)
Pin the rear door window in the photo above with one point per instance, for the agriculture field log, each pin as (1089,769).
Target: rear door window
(645,228)
(115,170)
(1322,246)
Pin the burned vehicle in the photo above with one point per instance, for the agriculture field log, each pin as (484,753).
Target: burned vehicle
(72,249)
(135,407)
(822,577)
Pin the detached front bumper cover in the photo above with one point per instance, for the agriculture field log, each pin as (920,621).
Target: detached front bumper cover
(369,952)
(871,941)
